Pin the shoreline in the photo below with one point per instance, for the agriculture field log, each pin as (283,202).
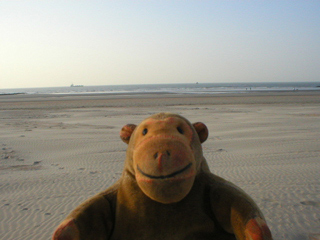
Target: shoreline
(44,101)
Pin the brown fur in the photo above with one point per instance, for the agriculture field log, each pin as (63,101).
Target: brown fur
(166,191)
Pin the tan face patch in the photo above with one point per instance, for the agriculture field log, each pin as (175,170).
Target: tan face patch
(163,158)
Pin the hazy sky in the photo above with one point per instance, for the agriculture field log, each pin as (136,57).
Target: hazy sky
(56,43)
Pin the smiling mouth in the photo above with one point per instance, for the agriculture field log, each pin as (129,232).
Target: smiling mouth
(165,176)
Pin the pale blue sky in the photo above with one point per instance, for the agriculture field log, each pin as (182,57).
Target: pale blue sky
(56,43)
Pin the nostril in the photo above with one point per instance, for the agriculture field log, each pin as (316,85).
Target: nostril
(160,154)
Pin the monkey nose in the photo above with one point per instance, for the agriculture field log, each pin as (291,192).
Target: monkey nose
(162,158)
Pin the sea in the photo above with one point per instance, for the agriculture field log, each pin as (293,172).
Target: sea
(181,88)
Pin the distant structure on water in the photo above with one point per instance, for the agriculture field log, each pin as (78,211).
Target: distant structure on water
(72,85)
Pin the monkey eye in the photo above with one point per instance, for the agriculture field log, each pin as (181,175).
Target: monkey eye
(180,130)
(144,131)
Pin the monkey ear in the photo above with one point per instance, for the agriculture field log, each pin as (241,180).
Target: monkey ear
(202,131)
(126,132)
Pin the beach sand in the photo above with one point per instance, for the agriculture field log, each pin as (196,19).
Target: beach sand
(58,150)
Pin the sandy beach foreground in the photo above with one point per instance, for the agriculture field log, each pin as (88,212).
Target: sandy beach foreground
(58,150)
